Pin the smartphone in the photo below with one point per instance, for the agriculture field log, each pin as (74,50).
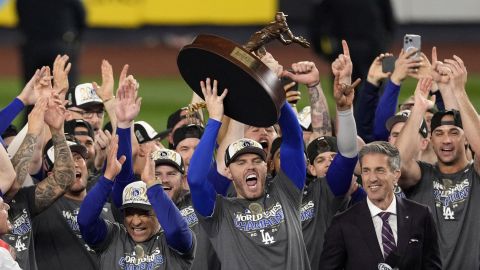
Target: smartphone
(410,42)
(388,64)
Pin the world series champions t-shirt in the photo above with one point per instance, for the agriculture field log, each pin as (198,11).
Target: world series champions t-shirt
(454,200)
(319,205)
(117,251)
(58,241)
(205,256)
(22,210)
(262,234)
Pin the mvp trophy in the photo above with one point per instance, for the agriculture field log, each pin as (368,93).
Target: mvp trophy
(255,93)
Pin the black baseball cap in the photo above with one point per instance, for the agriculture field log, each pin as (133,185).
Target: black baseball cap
(243,146)
(438,116)
(74,144)
(144,132)
(321,145)
(69,128)
(10,131)
(187,131)
(83,96)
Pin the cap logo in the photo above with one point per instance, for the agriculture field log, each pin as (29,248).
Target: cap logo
(166,154)
(139,135)
(85,93)
(135,193)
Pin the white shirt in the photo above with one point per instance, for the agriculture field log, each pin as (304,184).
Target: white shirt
(377,220)
(7,262)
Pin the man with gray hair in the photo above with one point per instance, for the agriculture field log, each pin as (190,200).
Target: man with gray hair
(383,231)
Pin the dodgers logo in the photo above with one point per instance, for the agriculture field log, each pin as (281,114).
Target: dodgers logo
(148,262)
(307,211)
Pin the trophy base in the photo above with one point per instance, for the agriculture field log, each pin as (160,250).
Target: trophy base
(255,93)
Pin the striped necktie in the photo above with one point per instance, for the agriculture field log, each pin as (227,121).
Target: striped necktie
(388,241)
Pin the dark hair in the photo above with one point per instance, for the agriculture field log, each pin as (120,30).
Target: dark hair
(385,148)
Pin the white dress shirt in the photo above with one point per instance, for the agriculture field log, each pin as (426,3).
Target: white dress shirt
(378,223)
(7,262)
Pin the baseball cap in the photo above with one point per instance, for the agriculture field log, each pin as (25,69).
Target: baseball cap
(10,131)
(187,131)
(69,128)
(168,157)
(321,145)
(135,196)
(74,144)
(305,118)
(83,96)
(437,119)
(401,117)
(145,132)
(243,146)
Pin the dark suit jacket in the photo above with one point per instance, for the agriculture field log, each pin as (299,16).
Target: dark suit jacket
(351,242)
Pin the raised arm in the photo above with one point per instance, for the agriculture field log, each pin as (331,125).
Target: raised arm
(63,174)
(439,73)
(7,172)
(92,227)
(321,122)
(22,159)
(367,98)
(127,108)
(178,235)
(410,137)
(470,118)
(203,192)
(339,174)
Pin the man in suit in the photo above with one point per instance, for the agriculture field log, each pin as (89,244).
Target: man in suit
(383,231)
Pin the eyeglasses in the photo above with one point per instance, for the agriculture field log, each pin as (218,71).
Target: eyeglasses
(89,115)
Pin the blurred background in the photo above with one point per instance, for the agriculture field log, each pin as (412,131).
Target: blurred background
(148,34)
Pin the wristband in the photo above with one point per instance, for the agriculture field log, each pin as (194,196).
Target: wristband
(314,85)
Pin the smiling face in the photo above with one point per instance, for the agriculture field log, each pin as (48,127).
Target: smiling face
(448,142)
(378,178)
(171,180)
(248,173)
(263,135)
(141,224)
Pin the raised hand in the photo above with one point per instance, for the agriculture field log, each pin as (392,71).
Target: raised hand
(342,66)
(458,73)
(212,99)
(127,102)
(102,141)
(439,72)
(304,72)
(36,116)
(344,94)
(61,68)
(28,95)
(55,114)
(105,92)
(421,93)
(404,66)
(148,173)
(293,96)
(375,72)
(114,165)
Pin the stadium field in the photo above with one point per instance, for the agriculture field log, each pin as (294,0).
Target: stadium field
(161,96)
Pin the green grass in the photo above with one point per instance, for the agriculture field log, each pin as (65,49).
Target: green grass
(162,96)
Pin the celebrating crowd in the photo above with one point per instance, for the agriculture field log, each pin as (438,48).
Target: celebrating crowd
(379,190)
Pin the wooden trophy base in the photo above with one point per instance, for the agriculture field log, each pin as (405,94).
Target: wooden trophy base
(255,93)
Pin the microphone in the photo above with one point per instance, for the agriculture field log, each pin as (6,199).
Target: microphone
(391,262)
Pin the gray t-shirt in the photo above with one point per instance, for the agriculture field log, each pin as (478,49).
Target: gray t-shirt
(22,210)
(319,205)
(117,251)
(454,200)
(261,234)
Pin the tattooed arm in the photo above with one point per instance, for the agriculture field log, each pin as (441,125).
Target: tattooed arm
(321,124)
(63,174)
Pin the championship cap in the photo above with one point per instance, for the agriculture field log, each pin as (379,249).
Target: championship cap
(135,196)
(243,146)
(321,145)
(145,132)
(69,128)
(75,147)
(437,119)
(168,157)
(187,131)
(83,96)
